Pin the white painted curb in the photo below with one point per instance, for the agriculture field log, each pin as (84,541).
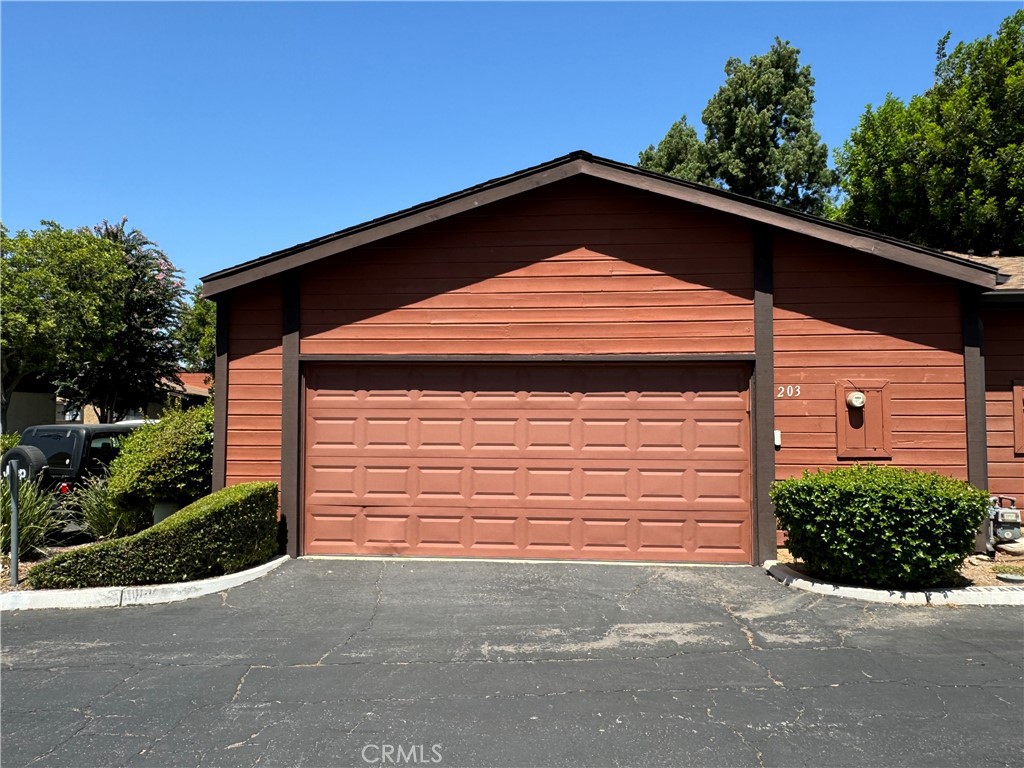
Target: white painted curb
(114,597)
(1008,595)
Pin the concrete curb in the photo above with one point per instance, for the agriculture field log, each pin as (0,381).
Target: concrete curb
(115,597)
(963,596)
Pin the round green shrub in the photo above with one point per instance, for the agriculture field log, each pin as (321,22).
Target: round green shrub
(880,526)
(170,460)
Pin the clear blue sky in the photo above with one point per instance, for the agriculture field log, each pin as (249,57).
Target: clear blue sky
(225,131)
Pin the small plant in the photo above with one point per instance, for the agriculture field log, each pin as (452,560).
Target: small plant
(102,514)
(170,460)
(8,441)
(1015,569)
(227,531)
(38,518)
(880,526)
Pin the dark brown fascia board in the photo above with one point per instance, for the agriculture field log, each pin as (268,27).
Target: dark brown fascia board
(396,223)
(469,359)
(1012,297)
(820,229)
(582,163)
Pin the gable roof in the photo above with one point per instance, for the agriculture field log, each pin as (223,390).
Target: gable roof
(582,163)
(1010,266)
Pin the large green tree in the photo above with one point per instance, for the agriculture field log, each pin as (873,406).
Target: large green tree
(55,292)
(946,169)
(142,361)
(197,334)
(759,137)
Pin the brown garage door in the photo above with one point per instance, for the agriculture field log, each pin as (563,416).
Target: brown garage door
(593,461)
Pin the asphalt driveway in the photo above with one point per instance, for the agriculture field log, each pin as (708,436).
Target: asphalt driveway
(356,663)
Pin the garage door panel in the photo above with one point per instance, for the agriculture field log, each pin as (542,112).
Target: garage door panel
(609,436)
(603,462)
(449,532)
(549,480)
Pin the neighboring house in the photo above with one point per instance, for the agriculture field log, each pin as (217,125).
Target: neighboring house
(35,402)
(194,390)
(1002,317)
(587,360)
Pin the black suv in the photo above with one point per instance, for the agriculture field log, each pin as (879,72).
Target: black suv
(60,456)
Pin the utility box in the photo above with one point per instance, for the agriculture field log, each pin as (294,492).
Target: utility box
(1004,520)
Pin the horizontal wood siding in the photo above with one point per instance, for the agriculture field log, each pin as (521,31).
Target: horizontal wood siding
(254,384)
(1004,364)
(841,316)
(579,267)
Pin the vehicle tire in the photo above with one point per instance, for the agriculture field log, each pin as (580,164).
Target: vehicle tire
(31,461)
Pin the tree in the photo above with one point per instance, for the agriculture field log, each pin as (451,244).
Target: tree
(56,288)
(759,140)
(946,169)
(680,154)
(143,358)
(197,335)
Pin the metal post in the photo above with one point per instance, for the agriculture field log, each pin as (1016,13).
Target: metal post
(14,480)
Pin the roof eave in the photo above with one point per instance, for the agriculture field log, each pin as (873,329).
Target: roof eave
(582,163)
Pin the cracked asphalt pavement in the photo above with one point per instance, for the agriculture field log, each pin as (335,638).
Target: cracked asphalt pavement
(356,663)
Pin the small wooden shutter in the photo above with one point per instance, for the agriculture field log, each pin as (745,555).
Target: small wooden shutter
(864,433)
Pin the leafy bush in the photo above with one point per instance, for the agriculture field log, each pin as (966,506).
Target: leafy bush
(170,460)
(879,526)
(102,513)
(38,517)
(227,531)
(9,441)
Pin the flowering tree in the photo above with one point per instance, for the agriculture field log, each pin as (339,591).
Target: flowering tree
(139,365)
(56,288)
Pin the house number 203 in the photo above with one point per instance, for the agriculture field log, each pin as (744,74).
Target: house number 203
(790,391)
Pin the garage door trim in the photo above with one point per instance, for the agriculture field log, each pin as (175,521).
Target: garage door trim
(297,535)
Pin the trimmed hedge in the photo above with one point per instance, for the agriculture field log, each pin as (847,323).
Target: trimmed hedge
(169,460)
(227,531)
(880,526)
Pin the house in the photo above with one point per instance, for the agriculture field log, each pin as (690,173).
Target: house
(193,391)
(1002,320)
(585,360)
(36,402)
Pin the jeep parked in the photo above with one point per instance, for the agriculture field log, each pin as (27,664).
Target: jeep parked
(60,456)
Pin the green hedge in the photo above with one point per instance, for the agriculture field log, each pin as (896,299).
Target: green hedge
(880,526)
(227,531)
(170,460)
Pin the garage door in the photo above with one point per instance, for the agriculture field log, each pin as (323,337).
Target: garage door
(580,461)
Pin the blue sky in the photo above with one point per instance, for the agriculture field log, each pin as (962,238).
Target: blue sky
(225,131)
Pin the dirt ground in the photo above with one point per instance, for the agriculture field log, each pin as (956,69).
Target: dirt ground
(976,570)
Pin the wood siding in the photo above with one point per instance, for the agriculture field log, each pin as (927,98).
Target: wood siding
(578,267)
(844,316)
(1004,365)
(254,384)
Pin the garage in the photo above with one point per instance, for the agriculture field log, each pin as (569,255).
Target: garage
(569,461)
(587,361)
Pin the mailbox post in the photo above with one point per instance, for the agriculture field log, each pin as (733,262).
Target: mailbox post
(14,480)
